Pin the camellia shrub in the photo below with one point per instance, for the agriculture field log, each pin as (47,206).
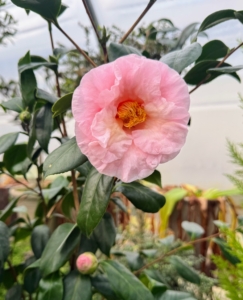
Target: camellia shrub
(131,114)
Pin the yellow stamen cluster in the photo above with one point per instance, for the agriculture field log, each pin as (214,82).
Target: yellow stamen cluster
(131,113)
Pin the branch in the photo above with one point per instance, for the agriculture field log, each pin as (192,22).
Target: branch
(150,4)
(218,65)
(79,49)
(19,182)
(91,19)
(174,251)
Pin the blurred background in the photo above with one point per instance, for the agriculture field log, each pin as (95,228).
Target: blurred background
(215,112)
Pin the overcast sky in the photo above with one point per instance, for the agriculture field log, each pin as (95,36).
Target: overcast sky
(214,107)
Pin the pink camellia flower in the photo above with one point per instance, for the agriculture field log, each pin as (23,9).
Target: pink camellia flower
(131,115)
(87,263)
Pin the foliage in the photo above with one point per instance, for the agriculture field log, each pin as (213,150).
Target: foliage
(230,275)
(72,214)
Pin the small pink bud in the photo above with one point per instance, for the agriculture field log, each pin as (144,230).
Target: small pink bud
(87,263)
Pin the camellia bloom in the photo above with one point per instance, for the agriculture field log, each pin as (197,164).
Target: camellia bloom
(87,263)
(131,115)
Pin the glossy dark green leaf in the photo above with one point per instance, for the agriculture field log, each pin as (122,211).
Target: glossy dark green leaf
(37,65)
(15,293)
(95,199)
(200,71)
(32,136)
(155,178)
(62,9)
(180,59)
(226,70)
(85,168)
(43,95)
(88,244)
(7,211)
(68,205)
(62,105)
(55,188)
(116,50)
(157,288)
(59,248)
(15,104)
(14,158)
(4,243)
(217,18)
(185,34)
(32,276)
(44,126)
(77,287)
(193,229)
(39,238)
(51,287)
(175,295)
(125,285)
(239,15)
(65,158)
(134,260)
(184,270)
(226,251)
(8,140)
(102,285)
(28,82)
(105,234)
(141,197)
(49,10)
(213,50)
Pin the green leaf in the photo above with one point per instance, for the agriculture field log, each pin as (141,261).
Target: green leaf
(213,50)
(8,209)
(62,9)
(37,65)
(59,248)
(32,137)
(185,271)
(175,295)
(14,159)
(239,15)
(68,205)
(193,229)
(62,105)
(227,251)
(8,140)
(51,287)
(15,293)
(116,50)
(32,276)
(102,285)
(55,188)
(49,10)
(43,95)
(4,243)
(167,241)
(157,288)
(95,199)
(226,70)
(200,71)
(185,34)
(65,158)
(155,178)
(172,197)
(125,285)
(28,82)
(77,287)
(217,18)
(39,238)
(44,126)
(15,104)
(105,234)
(141,197)
(87,244)
(180,59)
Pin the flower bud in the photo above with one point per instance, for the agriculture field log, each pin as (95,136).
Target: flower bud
(25,116)
(87,263)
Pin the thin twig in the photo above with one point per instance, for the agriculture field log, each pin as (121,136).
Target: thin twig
(17,181)
(91,19)
(218,65)
(174,251)
(79,49)
(75,191)
(150,4)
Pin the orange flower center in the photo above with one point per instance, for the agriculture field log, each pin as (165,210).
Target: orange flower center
(131,113)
